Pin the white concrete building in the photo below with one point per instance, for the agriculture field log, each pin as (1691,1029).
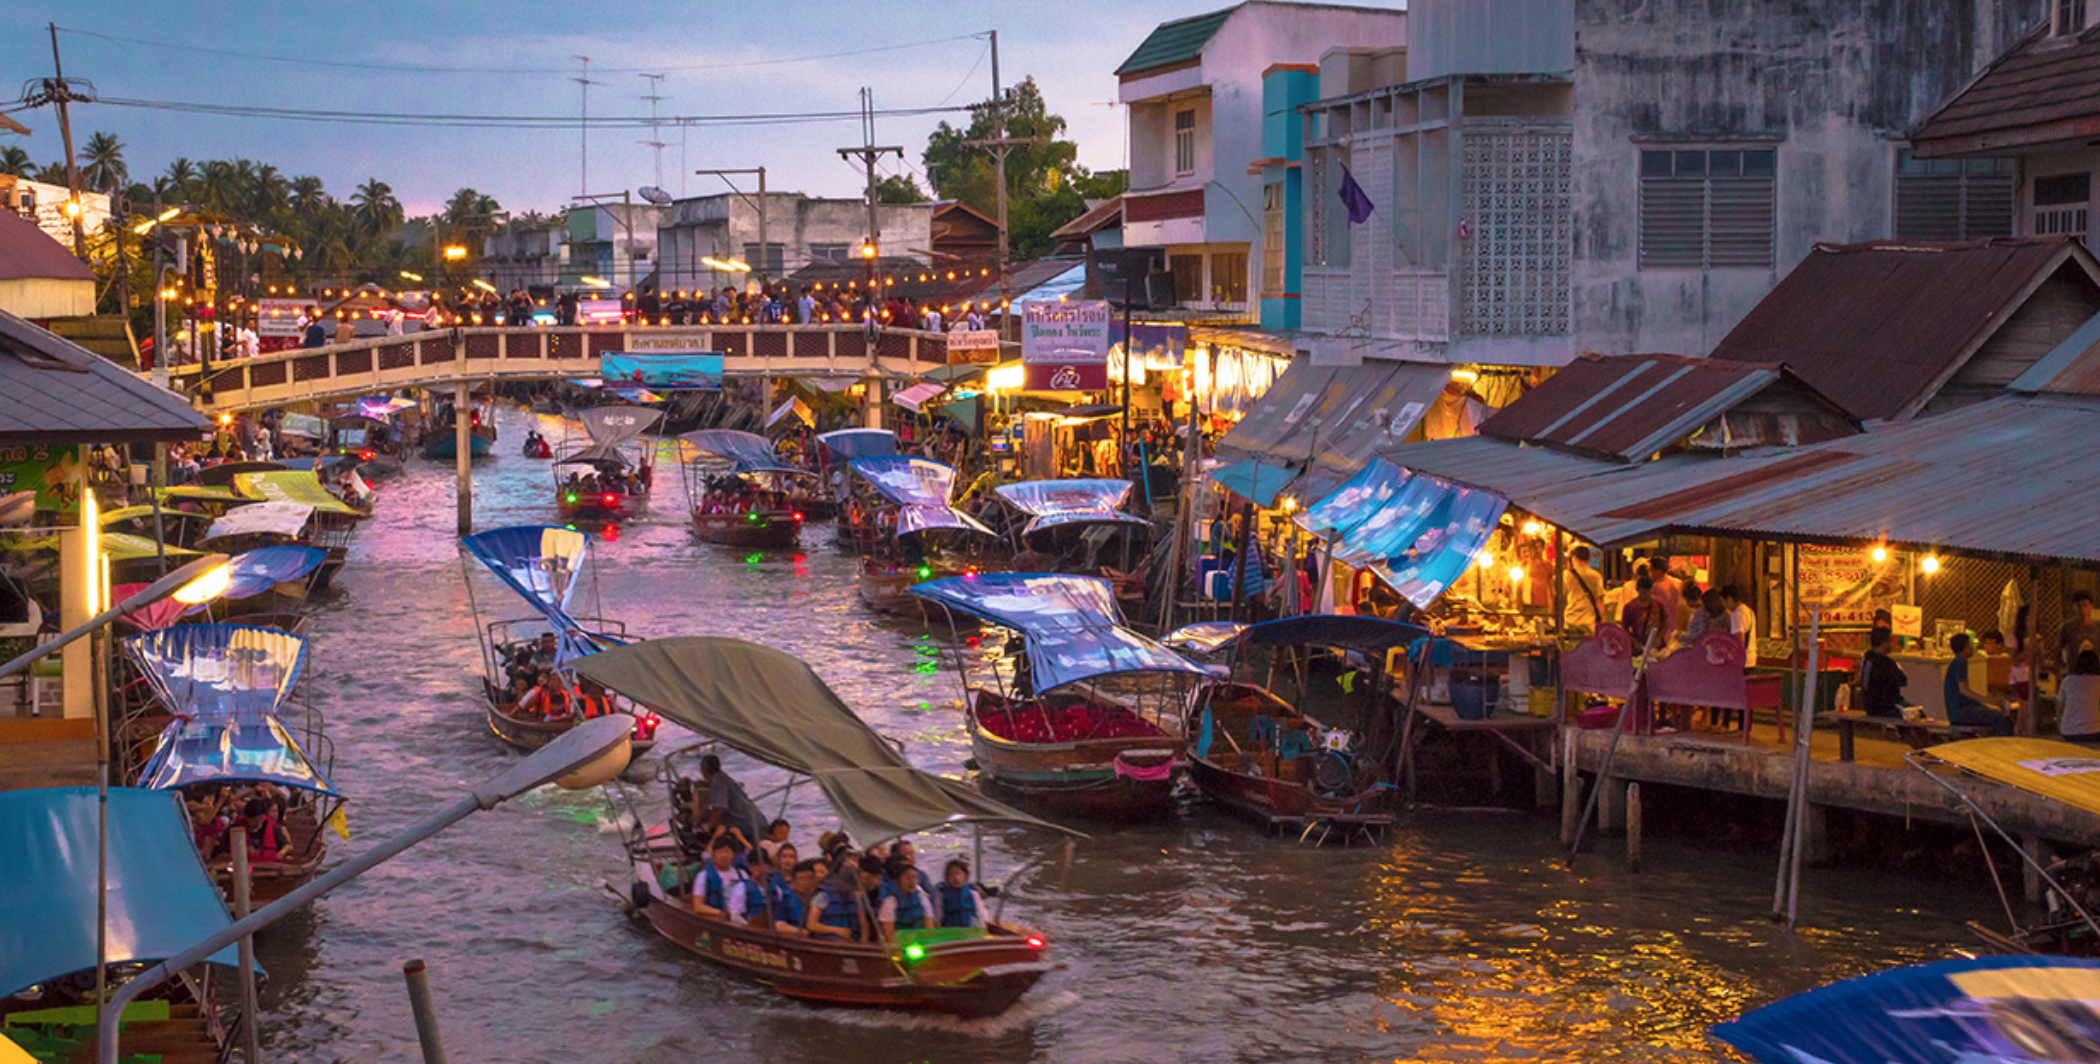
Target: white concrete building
(45,205)
(800,230)
(1194,90)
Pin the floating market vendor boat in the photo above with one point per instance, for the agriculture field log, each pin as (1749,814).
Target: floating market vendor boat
(922,536)
(742,494)
(1088,721)
(769,705)
(1079,526)
(619,478)
(841,449)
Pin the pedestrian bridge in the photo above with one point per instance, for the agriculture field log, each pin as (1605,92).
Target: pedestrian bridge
(473,355)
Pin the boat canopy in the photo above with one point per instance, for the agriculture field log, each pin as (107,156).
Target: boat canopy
(1203,637)
(1997,1009)
(770,705)
(1342,632)
(1069,625)
(261,518)
(259,570)
(132,513)
(116,546)
(2059,771)
(219,671)
(542,563)
(610,427)
(321,463)
(921,487)
(1050,503)
(204,493)
(382,407)
(1254,481)
(746,452)
(231,751)
(293,485)
(161,899)
(846,445)
(1418,533)
(226,473)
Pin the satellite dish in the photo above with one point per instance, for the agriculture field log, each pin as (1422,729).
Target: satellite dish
(656,195)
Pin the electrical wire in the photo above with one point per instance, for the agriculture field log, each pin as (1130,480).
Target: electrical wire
(382,118)
(415,68)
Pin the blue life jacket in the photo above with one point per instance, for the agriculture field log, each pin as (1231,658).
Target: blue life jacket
(911,911)
(958,905)
(788,909)
(841,910)
(754,900)
(712,893)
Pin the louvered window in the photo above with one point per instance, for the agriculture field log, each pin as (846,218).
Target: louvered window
(1703,208)
(1953,199)
(2061,203)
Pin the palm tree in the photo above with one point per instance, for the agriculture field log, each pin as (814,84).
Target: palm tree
(378,212)
(15,161)
(218,190)
(102,163)
(181,174)
(269,191)
(51,174)
(308,196)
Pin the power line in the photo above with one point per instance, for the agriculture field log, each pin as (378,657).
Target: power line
(383,118)
(417,68)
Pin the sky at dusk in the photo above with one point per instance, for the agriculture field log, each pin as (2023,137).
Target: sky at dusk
(516,58)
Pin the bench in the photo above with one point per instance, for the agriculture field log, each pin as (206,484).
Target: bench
(1914,732)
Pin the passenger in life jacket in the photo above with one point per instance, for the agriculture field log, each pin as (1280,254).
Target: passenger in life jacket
(835,912)
(592,700)
(549,699)
(779,880)
(961,903)
(757,906)
(904,905)
(719,889)
(792,906)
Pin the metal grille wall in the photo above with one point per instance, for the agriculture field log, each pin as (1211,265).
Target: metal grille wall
(1517,203)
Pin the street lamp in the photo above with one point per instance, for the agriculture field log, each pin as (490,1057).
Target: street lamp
(587,755)
(198,582)
(455,252)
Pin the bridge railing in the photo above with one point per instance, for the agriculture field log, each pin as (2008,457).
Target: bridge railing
(538,353)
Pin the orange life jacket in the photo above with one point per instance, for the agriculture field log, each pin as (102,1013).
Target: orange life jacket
(554,702)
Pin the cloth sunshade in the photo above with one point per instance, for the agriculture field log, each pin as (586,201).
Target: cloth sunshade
(256,571)
(609,427)
(2059,771)
(161,899)
(132,513)
(1997,1009)
(846,445)
(293,485)
(746,452)
(204,493)
(1416,532)
(542,563)
(231,751)
(921,488)
(770,705)
(220,671)
(1254,481)
(1050,503)
(262,518)
(1069,625)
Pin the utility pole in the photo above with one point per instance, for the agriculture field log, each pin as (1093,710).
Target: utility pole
(999,144)
(869,153)
(655,143)
(61,93)
(760,266)
(583,125)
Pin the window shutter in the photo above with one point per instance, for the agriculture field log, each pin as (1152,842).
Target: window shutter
(1742,219)
(1987,206)
(1673,221)
(1928,207)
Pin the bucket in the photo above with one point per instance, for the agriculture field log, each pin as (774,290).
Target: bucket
(1472,694)
(1541,701)
(1598,717)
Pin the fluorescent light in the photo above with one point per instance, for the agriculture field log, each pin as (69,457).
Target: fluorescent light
(208,586)
(595,282)
(478,283)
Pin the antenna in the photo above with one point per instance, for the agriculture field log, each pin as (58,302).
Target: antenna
(656,140)
(583,123)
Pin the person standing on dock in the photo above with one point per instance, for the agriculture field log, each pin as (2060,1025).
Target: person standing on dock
(1582,589)
(2078,633)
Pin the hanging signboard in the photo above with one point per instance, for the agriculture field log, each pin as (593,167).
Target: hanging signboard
(670,371)
(53,473)
(1064,346)
(279,317)
(1848,585)
(973,347)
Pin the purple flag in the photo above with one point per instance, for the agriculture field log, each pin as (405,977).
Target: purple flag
(1353,198)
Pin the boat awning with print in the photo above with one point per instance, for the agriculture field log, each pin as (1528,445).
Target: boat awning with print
(846,445)
(1416,532)
(262,518)
(293,485)
(772,706)
(1051,503)
(746,452)
(256,571)
(543,564)
(1069,625)
(219,671)
(921,488)
(1326,421)
(161,900)
(231,751)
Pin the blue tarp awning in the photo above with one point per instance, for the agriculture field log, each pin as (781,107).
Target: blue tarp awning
(746,452)
(1356,501)
(1254,481)
(1203,637)
(542,563)
(1068,624)
(921,487)
(1050,503)
(256,571)
(161,899)
(1416,532)
(209,750)
(219,671)
(846,445)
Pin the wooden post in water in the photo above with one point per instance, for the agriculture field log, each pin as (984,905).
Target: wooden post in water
(1633,827)
(251,1008)
(1570,789)
(463,461)
(425,1013)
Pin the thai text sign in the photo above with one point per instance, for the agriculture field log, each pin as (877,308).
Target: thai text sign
(1848,585)
(1064,346)
(671,371)
(973,347)
(279,317)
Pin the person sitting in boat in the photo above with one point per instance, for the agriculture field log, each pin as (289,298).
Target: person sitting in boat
(838,910)
(592,700)
(268,838)
(549,698)
(209,821)
(720,889)
(776,839)
(544,652)
(904,903)
(782,866)
(959,902)
(793,903)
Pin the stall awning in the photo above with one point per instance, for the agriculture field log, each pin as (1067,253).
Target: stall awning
(1416,532)
(914,398)
(1326,421)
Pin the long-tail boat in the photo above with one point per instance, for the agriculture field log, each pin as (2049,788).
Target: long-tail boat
(544,565)
(1079,526)
(856,527)
(225,688)
(618,485)
(1088,721)
(921,536)
(1263,757)
(770,706)
(741,491)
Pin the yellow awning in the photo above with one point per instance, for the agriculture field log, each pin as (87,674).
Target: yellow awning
(2060,771)
(293,485)
(204,493)
(129,512)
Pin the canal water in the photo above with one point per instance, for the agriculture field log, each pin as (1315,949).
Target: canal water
(1463,938)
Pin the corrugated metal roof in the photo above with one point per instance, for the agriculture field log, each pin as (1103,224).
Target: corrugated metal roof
(1175,42)
(1627,407)
(1108,212)
(1328,420)
(1879,327)
(29,253)
(2028,95)
(53,391)
(2072,367)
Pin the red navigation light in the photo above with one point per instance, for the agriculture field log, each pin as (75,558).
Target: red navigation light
(365,455)
(798,517)
(645,727)
(609,499)
(969,574)
(1036,942)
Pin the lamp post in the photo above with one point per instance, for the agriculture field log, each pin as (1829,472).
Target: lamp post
(584,757)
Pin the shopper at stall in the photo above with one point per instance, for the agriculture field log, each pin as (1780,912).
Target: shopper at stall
(1964,705)
(1582,589)
(1880,678)
(1643,615)
(1742,622)
(2078,633)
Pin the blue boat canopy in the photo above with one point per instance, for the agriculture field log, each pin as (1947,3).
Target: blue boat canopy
(210,750)
(219,672)
(1996,1009)
(1203,637)
(542,563)
(161,899)
(921,487)
(1255,481)
(846,445)
(1069,625)
(746,452)
(1051,503)
(259,570)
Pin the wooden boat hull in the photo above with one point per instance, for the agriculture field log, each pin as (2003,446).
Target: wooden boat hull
(444,445)
(814,507)
(969,979)
(771,529)
(591,506)
(529,734)
(1275,802)
(271,880)
(1119,779)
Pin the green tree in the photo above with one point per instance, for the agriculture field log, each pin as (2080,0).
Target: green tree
(14,161)
(180,175)
(378,212)
(1041,175)
(102,163)
(899,188)
(50,174)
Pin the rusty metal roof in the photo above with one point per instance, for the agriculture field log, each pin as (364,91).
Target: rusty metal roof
(1103,215)
(1630,407)
(1880,327)
(29,253)
(2071,368)
(2042,90)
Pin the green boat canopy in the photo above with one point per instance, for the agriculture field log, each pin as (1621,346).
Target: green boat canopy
(293,485)
(769,704)
(118,546)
